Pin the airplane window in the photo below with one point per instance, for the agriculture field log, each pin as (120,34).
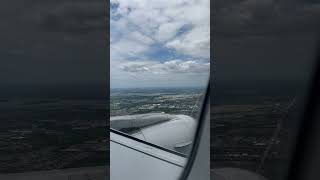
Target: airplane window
(262,67)
(160,64)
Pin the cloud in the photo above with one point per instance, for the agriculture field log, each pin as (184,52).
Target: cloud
(148,73)
(195,43)
(159,41)
(134,45)
(173,66)
(264,17)
(162,21)
(53,42)
(68,16)
(168,31)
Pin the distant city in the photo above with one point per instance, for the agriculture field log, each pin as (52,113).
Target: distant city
(131,101)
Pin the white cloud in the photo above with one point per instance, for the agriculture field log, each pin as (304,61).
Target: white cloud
(161,20)
(173,66)
(135,44)
(139,27)
(168,31)
(171,73)
(195,43)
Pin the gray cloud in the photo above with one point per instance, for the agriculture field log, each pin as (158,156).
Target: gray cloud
(73,17)
(53,41)
(264,17)
(264,40)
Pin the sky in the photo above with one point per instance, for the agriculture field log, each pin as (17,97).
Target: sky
(264,40)
(159,43)
(50,42)
(155,43)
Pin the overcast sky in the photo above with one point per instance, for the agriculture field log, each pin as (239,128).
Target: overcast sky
(159,43)
(155,42)
(53,42)
(264,40)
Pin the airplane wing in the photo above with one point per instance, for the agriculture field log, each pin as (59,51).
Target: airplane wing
(154,150)
(139,120)
(134,159)
(174,132)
